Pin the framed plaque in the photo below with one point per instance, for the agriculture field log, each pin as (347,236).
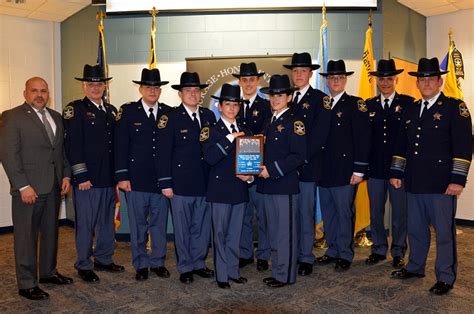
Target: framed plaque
(248,155)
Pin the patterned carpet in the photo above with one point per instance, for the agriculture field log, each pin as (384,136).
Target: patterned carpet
(361,289)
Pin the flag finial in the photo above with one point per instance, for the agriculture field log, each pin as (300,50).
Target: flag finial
(100,16)
(154,12)
(370,17)
(450,35)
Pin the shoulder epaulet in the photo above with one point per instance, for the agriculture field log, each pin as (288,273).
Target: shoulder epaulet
(372,98)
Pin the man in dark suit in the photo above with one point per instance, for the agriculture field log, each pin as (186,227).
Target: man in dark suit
(253,112)
(312,107)
(433,156)
(38,171)
(386,112)
(89,125)
(136,152)
(183,174)
(345,157)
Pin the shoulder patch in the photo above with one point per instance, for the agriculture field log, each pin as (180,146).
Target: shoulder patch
(463,111)
(298,128)
(162,122)
(68,112)
(119,114)
(204,135)
(361,105)
(327,102)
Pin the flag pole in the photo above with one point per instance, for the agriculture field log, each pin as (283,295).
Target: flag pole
(152,62)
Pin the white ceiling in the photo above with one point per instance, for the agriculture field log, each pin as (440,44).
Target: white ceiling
(50,10)
(59,10)
(437,7)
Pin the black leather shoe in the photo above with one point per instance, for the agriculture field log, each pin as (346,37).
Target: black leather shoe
(441,288)
(240,280)
(245,261)
(34,293)
(325,259)
(374,258)
(57,279)
(262,265)
(398,262)
(268,279)
(223,285)
(342,265)
(405,274)
(112,267)
(305,269)
(161,271)
(142,274)
(204,272)
(186,278)
(88,275)
(276,284)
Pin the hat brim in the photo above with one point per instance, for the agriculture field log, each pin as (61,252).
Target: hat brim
(386,73)
(305,65)
(275,91)
(259,74)
(239,100)
(149,83)
(93,79)
(337,73)
(427,74)
(178,86)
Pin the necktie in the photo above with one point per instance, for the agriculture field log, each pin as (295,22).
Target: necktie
(297,98)
(332,102)
(233,129)
(101,108)
(273,119)
(151,116)
(385,104)
(196,121)
(47,126)
(246,107)
(424,108)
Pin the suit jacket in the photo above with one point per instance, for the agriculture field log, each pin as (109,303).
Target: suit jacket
(181,165)
(314,109)
(223,186)
(89,142)
(28,156)
(255,116)
(284,152)
(384,132)
(434,150)
(137,147)
(348,144)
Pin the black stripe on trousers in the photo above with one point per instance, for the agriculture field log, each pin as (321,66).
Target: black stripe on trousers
(453,233)
(290,218)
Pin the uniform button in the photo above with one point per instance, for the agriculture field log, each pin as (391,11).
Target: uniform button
(304,116)
(419,128)
(110,151)
(217,177)
(436,126)
(133,160)
(153,132)
(416,144)
(136,130)
(184,137)
(385,134)
(416,153)
(153,155)
(153,147)
(343,155)
(179,165)
(153,140)
(338,124)
(384,127)
(418,135)
(108,123)
(202,158)
(110,142)
(276,138)
(109,133)
(384,120)
(92,123)
(384,141)
(440,161)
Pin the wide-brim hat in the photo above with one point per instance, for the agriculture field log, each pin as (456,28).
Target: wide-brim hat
(337,67)
(386,68)
(151,77)
(93,73)
(428,67)
(279,84)
(248,69)
(229,93)
(189,79)
(302,60)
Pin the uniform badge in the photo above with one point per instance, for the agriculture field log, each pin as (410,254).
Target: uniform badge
(280,128)
(204,135)
(162,122)
(306,105)
(339,114)
(68,112)
(463,111)
(407,122)
(372,114)
(299,128)
(437,116)
(361,105)
(327,102)
(439,103)
(119,114)
(398,108)
(90,114)
(255,113)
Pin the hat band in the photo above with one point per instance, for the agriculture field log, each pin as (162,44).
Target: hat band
(93,79)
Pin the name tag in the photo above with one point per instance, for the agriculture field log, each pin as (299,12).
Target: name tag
(183,131)
(137,123)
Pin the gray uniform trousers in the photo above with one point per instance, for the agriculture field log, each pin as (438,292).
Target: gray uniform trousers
(305,216)
(378,190)
(192,231)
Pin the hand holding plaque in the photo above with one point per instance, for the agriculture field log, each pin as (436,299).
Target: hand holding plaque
(248,155)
